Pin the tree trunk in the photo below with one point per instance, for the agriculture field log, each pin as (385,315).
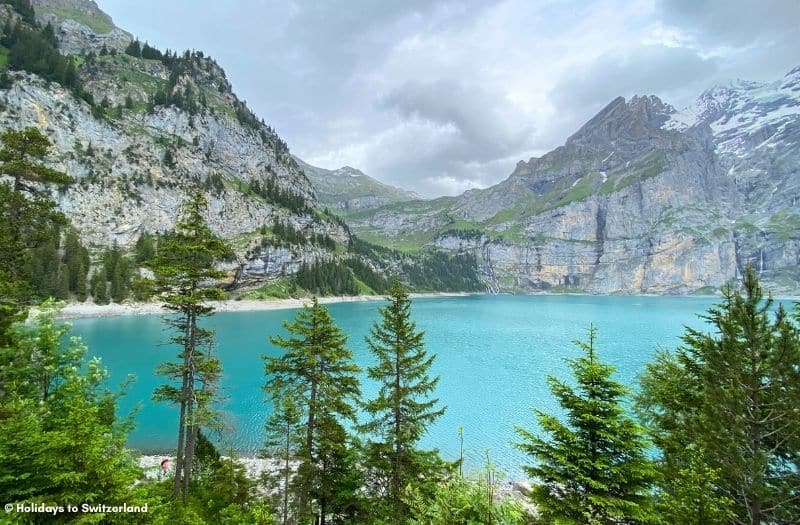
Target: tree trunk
(192,428)
(286,476)
(396,503)
(181,434)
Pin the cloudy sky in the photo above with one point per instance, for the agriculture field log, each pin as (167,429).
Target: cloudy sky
(443,96)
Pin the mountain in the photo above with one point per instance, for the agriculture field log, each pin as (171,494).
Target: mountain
(642,199)
(139,129)
(348,189)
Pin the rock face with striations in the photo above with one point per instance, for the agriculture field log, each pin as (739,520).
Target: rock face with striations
(642,199)
(158,129)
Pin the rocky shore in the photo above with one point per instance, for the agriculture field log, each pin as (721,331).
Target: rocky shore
(83,310)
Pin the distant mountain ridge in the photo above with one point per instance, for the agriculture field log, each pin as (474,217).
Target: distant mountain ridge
(641,199)
(347,189)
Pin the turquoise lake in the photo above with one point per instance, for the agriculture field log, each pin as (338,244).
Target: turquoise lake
(493,355)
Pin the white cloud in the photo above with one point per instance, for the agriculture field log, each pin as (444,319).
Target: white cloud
(443,96)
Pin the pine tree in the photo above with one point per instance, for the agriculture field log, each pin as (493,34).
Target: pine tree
(283,436)
(60,439)
(184,264)
(317,371)
(592,469)
(731,397)
(145,248)
(99,288)
(28,218)
(403,409)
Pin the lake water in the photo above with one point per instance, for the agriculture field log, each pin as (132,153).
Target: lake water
(493,355)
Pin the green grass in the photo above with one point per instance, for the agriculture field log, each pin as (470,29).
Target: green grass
(283,288)
(706,290)
(99,23)
(785,225)
(3,57)
(363,289)
(743,225)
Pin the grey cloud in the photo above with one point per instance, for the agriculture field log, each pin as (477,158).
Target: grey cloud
(733,22)
(487,127)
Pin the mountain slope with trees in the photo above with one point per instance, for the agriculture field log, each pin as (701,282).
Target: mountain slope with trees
(139,129)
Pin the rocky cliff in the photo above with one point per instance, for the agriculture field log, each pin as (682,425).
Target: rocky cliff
(145,129)
(641,199)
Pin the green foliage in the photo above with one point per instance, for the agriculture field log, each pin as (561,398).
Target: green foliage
(270,191)
(60,438)
(317,375)
(24,9)
(76,258)
(99,287)
(145,248)
(402,411)
(29,223)
(100,23)
(376,281)
(34,50)
(326,278)
(593,469)
(283,288)
(118,271)
(287,234)
(183,265)
(722,410)
(462,501)
(443,272)
(283,438)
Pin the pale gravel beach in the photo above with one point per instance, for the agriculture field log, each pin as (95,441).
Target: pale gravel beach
(84,310)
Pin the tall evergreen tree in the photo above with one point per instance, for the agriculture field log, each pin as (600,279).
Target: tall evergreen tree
(318,372)
(28,218)
(403,409)
(183,266)
(731,397)
(593,468)
(283,437)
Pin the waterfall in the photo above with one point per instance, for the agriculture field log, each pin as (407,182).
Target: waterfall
(761,260)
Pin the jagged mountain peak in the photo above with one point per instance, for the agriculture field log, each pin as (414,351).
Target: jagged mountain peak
(622,119)
(743,115)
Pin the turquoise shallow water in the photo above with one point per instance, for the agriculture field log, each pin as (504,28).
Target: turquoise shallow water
(494,353)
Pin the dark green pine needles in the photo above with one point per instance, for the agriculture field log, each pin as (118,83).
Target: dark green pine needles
(593,468)
(317,373)
(403,409)
(183,267)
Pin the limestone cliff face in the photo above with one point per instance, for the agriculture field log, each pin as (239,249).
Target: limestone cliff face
(136,156)
(642,199)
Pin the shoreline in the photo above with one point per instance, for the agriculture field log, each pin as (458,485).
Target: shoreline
(90,310)
(255,467)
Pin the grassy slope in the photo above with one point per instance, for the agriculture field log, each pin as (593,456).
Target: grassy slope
(100,23)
